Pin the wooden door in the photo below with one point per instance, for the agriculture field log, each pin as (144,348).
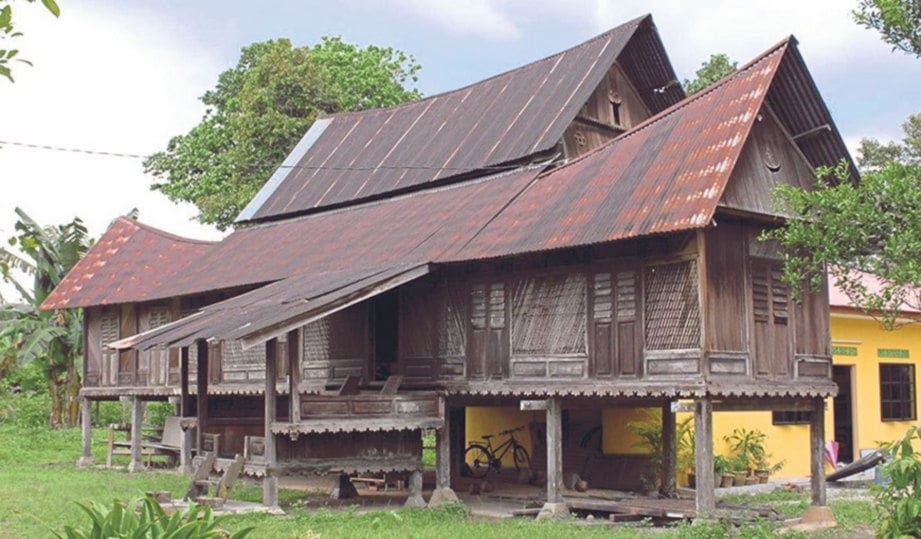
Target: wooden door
(487,349)
(615,345)
(773,339)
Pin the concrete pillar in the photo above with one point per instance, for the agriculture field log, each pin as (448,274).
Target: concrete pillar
(86,422)
(555,507)
(443,492)
(703,445)
(270,482)
(415,490)
(669,486)
(137,418)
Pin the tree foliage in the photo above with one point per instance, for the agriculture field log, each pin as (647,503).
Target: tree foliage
(714,69)
(55,339)
(898,22)
(898,499)
(873,155)
(853,230)
(259,110)
(8,32)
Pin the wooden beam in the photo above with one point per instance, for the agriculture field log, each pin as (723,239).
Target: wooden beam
(443,448)
(533,405)
(270,481)
(295,349)
(703,444)
(86,422)
(669,486)
(137,417)
(554,450)
(184,403)
(817,451)
(201,391)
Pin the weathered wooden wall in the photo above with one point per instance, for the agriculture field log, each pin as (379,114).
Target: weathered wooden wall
(614,107)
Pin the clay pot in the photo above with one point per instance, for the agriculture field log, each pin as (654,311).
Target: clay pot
(738,480)
(751,480)
(727,480)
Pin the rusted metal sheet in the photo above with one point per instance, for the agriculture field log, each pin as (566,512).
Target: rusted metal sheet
(495,121)
(665,175)
(128,263)
(662,176)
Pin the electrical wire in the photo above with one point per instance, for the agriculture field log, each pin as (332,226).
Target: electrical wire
(105,153)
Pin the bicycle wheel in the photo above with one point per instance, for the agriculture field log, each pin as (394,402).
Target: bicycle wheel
(478,458)
(521,458)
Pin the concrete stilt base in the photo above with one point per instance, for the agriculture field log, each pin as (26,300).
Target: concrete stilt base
(345,491)
(84,462)
(553,510)
(442,496)
(415,490)
(816,517)
(136,466)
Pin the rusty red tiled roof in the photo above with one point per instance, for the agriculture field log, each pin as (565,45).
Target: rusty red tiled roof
(128,263)
(355,156)
(665,175)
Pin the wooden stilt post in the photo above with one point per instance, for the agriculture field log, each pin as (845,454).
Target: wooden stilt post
(554,506)
(703,445)
(86,422)
(137,417)
(817,450)
(669,486)
(270,482)
(201,391)
(185,450)
(443,493)
(295,348)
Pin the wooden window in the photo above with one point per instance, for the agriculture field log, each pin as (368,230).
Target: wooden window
(897,391)
(488,306)
(615,346)
(672,307)
(793,417)
(109,333)
(549,315)
(771,315)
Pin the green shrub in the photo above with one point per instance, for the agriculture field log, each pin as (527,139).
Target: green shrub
(108,412)
(26,378)
(146,518)
(26,410)
(898,500)
(158,411)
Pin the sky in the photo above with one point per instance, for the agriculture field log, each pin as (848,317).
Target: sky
(125,76)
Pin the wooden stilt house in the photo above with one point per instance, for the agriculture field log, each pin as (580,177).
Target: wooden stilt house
(576,232)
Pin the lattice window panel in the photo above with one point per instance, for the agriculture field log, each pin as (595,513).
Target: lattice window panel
(452,326)
(549,315)
(233,355)
(341,335)
(672,307)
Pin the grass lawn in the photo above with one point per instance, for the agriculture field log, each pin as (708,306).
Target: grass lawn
(39,485)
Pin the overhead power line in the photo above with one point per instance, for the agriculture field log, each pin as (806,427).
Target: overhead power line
(106,153)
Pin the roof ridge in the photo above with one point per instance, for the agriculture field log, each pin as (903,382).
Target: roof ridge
(636,22)
(162,233)
(681,104)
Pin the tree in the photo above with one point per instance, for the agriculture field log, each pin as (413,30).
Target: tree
(872,228)
(899,22)
(9,32)
(873,155)
(46,254)
(259,110)
(714,69)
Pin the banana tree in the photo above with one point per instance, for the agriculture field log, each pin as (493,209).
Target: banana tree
(44,254)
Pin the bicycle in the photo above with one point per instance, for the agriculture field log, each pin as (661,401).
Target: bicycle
(479,458)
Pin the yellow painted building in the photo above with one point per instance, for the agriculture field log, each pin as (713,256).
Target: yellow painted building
(870,363)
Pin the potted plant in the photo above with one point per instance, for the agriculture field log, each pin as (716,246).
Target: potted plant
(747,445)
(684,435)
(738,467)
(721,471)
(764,469)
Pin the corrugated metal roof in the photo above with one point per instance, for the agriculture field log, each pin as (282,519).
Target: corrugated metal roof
(495,121)
(665,175)
(272,310)
(128,263)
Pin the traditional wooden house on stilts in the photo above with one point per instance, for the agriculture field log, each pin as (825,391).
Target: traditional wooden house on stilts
(576,231)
